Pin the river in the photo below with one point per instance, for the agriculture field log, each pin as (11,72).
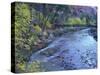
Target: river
(77,50)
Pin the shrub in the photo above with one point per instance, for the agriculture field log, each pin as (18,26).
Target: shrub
(76,20)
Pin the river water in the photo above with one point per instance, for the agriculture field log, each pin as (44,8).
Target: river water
(77,50)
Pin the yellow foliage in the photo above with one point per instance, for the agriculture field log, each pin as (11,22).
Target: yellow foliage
(37,28)
(21,66)
(76,20)
(48,24)
(34,67)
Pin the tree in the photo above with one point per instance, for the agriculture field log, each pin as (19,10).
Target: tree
(24,38)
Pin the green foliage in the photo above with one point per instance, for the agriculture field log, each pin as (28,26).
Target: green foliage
(22,19)
(37,28)
(34,67)
(92,22)
(48,24)
(21,67)
(76,21)
(23,37)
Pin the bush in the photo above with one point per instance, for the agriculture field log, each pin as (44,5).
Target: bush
(76,21)
(35,66)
